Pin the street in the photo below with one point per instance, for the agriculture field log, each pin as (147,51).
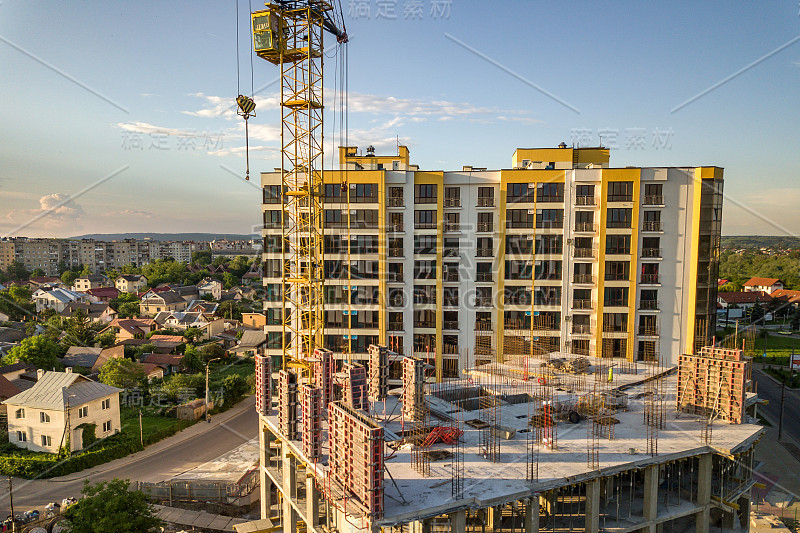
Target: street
(158,462)
(771,391)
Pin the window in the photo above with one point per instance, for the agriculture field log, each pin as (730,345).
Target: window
(21,436)
(425,219)
(652,221)
(335,294)
(648,299)
(584,221)
(615,322)
(272,194)
(547,270)
(395,272)
(616,348)
(519,192)
(517,295)
(485,222)
(19,413)
(620,191)
(650,273)
(518,269)
(272,244)
(483,272)
(483,297)
(83,412)
(335,218)
(424,342)
(618,270)
(361,193)
(107,426)
(582,298)
(396,197)
(396,321)
(485,247)
(653,194)
(584,195)
(651,246)
(582,273)
(425,318)
(615,296)
(425,294)
(549,218)
(424,244)
(452,221)
(518,244)
(274,317)
(451,248)
(334,192)
(44,418)
(275,339)
(549,244)
(648,325)
(396,222)
(619,218)
(450,272)
(485,196)
(335,269)
(450,296)
(519,218)
(363,270)
(547,295)
(46,441)
(425,269)
(549,192)
(364,244)
(364,218)
(272,219)
(425,194)
(452,196)
(396,297)
(618,244)
(272,292)
(396,247)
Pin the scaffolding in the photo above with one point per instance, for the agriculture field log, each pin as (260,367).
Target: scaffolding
(713,383)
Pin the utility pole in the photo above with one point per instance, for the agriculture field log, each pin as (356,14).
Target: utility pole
(780,419)
(11,501)
(205,410)
(141,432)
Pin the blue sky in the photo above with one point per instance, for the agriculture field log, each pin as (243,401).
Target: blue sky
(144,93)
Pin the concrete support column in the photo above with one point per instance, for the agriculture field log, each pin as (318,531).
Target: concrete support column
(704,493)
(265,485)
(532,515)
(426,526)
(312,502)
(593,506)
(458,522)
(289,488)
(650,511)
(493,520)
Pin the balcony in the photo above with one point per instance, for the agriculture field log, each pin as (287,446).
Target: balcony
(450,302)
(450,252)
(485,227)
(395,252)
(395,228)
(584,200)
(395,202)
(585,227)
(581,329)
(616,302)
(450,324)
(648,305)
(584,253)
(451,227)
(654,200)
(582,304)
(449,276)
(483,301)
(452,202)
(424,225)
(424,325)
(484,252)
(395,326)
(483,277)
(583,279)
(652,226)
(394,277)
(486,202)
(650,279)
(651,252)
(648,331)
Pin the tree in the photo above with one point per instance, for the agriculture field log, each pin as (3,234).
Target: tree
(165,270)
(38,273)
(110,506)
(69,277)
(79,329)
(128,310)
(180,386)
(17,271)
(192,334)
(229,280)
(202,257)
(211,351)
(122,373)
(234,387)
(107,339)
(38,350)
(191,360)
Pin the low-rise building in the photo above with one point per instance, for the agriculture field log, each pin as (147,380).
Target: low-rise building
(56,299)
(102,294)
(153,303)
(768,285)
(81,357)
(97,312)
(93,281)
(131,328)
(130,282)
(743,299)
(62,407)
(254,320)
(210,286)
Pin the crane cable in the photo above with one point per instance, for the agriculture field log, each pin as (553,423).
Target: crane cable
(246,107)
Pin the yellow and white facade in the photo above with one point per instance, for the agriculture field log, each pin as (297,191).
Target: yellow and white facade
(561,252)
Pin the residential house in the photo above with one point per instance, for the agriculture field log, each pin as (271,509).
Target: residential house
(154,303)
(56,299)
(182,320)
(171,363)
(130,282)
(152,371)
(787,296)
(210,286)
(106,354)
(254,275)
(743,300)
(208,309)
(187,292)
(39,282)
(251,343)
(131,328)
(97,312)
(7,390)
(167,341)
(59,407)
(93,281)
(102,294)
(254,320)
(768,285)
(154,290)
(81,357)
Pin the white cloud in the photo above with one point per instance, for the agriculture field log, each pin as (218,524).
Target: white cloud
(225,107)
(151,129)
(523,120)
(56,211)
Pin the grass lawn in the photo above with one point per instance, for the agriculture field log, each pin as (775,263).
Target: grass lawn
(242,370)
(150,423)
(779,348)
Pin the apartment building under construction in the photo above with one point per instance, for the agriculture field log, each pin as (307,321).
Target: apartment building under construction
(561,251)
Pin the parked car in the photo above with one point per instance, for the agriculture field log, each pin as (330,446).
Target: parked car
(31,515)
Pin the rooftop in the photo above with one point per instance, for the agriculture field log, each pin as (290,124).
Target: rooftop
(55,389)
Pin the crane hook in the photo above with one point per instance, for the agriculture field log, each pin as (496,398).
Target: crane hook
(246,108)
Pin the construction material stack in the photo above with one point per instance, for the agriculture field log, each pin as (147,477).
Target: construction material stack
(713,383)
(378,372)
(263,384)
(287,403)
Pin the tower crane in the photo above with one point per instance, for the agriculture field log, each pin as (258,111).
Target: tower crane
(289,34)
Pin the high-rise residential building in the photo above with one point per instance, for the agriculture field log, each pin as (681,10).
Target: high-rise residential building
(561,252)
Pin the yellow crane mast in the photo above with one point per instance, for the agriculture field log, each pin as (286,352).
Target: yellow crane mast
(290,34)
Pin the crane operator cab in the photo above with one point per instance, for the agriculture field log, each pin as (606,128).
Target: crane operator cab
(268,30)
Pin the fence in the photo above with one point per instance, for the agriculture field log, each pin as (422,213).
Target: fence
(190,491)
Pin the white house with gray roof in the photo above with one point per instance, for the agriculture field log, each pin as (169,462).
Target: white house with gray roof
(62,405)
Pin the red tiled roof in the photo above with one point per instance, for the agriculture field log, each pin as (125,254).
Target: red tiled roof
(7,389)
(163,359)
(104,292)
(788,295)
(168,338)
(761,282)
(45,279)
(721,282)
(750,297)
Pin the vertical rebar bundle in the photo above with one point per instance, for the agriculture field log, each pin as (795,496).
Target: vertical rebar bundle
(378,372)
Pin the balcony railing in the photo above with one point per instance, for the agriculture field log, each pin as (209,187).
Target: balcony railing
(584,253)
(485,227)
(648,305)
(450,252)
(394,277)
(583,278)
(452,202)
(484,252)
(395,252)
(581,329)
(395,228)
(450,324)
(483,301)
(395,202)
(651,252)
(650,278)
(616,302)
(450,276)
(648,332)
(424,225)
(615,328)
(424,324)
(450,302)
(612,276)
(654,200)
(582,304)
(486,202)
(483,277)
(452,227)
(584,200)
(585,227)
(652,226)
(395,326)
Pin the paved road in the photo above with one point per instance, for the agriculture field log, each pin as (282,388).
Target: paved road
(771,391)
(158,462)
